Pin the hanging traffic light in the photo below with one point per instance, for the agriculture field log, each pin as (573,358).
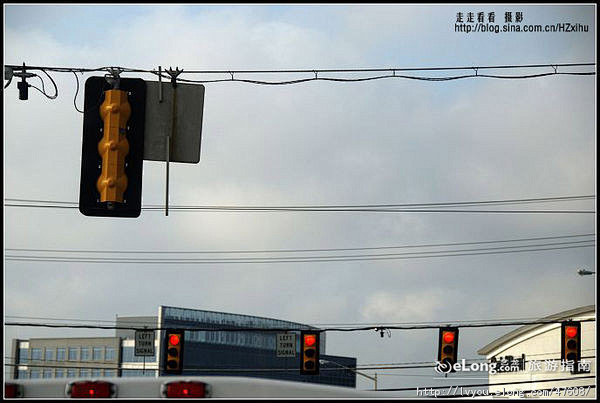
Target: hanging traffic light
(309,352)
(448,347)
(113,147)
(173,354)
(570,349)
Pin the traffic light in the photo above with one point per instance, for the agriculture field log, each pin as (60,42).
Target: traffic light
(113,147)
(309,352)
(173,357)
(570,348)
(448,347)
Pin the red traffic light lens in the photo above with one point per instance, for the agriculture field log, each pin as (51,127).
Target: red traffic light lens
(174,339)
(571,331)
(448,337)
(310,340)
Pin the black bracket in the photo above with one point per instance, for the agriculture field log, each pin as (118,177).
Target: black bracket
(22,85)
(174,74)
(114,77)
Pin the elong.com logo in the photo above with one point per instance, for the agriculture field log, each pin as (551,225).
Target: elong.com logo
(442,367)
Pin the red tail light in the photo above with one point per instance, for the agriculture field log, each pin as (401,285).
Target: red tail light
(13,390)
(91,389)
(185,389)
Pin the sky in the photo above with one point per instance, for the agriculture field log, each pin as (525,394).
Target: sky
(389,141)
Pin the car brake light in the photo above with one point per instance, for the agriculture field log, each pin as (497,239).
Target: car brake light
(13,390)
(185,389)
(91,389)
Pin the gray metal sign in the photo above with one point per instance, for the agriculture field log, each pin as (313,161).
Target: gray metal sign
(286,344)
(185,141)
(144,342)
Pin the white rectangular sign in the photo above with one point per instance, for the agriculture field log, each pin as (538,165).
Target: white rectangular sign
(144,342)
(286,344)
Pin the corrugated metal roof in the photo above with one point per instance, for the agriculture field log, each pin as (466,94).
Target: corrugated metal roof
(528,328)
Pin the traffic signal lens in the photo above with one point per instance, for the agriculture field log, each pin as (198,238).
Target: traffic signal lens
(448,337)
(172,363)
(448,350)
(174,340)
(310,340)
(571,356)
(571,344)
(571,332)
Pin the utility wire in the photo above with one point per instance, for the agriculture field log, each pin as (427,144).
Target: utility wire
(441,323)
(309,259)
(284,329)
(407,207)
(296,250)
(108,69)
(392,73)
(363,206)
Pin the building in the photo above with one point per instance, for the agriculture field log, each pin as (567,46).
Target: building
(207,352)
(532,357)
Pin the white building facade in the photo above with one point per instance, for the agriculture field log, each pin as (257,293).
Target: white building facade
(528,360)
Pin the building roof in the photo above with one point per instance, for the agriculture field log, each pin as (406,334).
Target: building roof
(571,313)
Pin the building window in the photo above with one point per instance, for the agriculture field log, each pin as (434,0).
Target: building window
(84,373)
(110,373)
(73,353)
(23,355)
(49,354)
(22,374)
(97,353)
(34,373)
(47,373)
(71,373)
(60,354)
(109,354)
(85,353)
(60,373)
(36,354)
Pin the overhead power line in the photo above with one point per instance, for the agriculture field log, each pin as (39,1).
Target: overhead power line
(438,207)
(309,259)
(286,329)
(390,73)
(299,250)
(440,323)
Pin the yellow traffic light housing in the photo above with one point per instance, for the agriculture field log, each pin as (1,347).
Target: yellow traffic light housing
(115,112)
(309,352)
(112,153)
(173,354)
(448,347)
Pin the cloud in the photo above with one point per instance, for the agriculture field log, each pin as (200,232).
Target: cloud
(388,141)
